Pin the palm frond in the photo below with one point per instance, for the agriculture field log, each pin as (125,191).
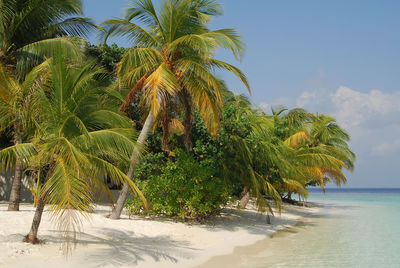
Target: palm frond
(297,139)
(160,83)
(23,151)
(133,32)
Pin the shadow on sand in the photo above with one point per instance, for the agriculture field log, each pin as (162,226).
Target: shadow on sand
(106,246)
(118,248)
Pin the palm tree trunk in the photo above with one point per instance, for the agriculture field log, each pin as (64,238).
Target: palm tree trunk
(15,194)
(148,125)
(268,219)
(32,236)
(188,121)
(245,198)
(166,129)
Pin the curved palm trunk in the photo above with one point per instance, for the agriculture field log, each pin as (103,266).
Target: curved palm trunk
(188,121)
(166,129)
(148,125)
(32,236)
(15,194)
(245,198)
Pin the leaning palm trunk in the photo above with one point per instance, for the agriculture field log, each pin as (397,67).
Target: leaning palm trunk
(16,186)
(188,121)
(166,130)
(32,236)
(147,127)
(245,198)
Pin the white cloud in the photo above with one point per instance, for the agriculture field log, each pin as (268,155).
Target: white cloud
(386,148)
(317,99)
(354,108)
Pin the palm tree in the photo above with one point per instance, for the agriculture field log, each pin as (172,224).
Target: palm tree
(321,150)
(325,130)
(173,58)
(283,156)
(291,128)
(29,31)
(252,151)
(79,137)
(15,98)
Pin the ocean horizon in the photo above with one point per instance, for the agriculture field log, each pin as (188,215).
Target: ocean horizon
(340,189)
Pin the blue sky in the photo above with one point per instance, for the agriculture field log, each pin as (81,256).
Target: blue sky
(337,57)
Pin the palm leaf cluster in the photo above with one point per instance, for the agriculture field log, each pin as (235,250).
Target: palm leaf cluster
(30,32)
(79,137)
(320,146)
(283,153)
(33,29)
(173,56)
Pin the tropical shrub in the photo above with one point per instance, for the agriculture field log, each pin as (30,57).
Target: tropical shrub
(106,56)
(182,187)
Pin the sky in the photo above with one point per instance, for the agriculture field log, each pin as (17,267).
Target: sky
(339,57)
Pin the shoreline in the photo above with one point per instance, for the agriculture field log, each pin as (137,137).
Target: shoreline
(240,254)
(138,241)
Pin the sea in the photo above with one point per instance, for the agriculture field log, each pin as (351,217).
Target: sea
(355,228)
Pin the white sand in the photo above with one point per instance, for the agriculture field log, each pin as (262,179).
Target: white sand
(137,241)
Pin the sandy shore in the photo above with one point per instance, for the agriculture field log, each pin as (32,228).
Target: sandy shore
(137,241)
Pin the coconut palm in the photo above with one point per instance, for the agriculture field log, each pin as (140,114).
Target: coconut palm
(321,150)
(326,133)
(15,98)
(173,57)
(253,151)
(325,130)
(79,138)
(29,31)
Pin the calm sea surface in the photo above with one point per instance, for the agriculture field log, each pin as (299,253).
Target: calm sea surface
(357,228)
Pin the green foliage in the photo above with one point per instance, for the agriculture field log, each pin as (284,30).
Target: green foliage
(106,56)
(173,52)
(33,30)
(179,186)
(78,137)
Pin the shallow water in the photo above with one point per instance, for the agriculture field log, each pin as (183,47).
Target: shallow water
(357,228)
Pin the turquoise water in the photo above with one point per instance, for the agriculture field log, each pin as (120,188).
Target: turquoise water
(356,228)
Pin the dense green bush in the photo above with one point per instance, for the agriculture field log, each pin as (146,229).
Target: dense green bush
(182,187)
(106,56)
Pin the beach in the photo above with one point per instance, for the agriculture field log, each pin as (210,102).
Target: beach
(138,241)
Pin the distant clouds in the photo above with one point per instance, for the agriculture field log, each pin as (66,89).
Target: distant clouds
(387,148)
(355,108)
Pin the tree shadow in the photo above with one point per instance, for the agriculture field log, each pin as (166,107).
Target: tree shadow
(254,222)
(125,248)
